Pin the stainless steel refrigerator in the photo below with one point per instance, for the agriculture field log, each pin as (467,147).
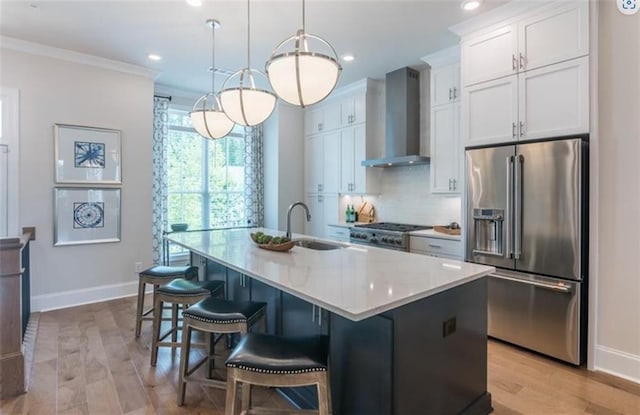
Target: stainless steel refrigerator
(526,214)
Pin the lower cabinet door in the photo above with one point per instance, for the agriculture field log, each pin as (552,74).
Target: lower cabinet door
(271,296)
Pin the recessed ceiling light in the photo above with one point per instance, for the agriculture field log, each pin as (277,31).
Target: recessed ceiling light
(154,57)
(348,57)
(470,4)
(194,3)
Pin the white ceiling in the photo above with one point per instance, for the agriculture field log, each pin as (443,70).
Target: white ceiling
(384,35)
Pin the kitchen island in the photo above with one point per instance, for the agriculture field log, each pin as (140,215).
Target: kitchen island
(407,332)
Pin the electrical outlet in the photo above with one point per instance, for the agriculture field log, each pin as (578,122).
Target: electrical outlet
(137,267)
(449,327)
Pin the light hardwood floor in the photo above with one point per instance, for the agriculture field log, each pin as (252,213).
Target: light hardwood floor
(87,361)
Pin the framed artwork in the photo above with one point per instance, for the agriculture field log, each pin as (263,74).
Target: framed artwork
(86,215)
(87,155)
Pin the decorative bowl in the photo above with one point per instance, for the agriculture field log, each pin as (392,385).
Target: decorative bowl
(283,247)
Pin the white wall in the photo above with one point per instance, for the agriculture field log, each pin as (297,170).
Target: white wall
(59,91)
(283,166)
(405,197)
(618,273)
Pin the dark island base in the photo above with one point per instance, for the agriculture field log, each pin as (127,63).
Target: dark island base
(428,357)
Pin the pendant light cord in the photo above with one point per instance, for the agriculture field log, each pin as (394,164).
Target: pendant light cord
(213,56)
(248,34)
(303,14)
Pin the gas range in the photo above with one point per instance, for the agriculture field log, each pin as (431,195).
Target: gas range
(384,235)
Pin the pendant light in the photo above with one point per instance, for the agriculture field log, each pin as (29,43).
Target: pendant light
(299,75)
(243,101)
(207,115)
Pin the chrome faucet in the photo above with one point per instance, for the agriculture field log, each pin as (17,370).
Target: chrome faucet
(288,235)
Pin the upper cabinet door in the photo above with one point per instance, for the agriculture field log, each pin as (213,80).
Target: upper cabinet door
(331,162)
(353,109)
(445,86)
(444,156)
(553,36)
(554,100)
(490,112)
(346,160)
(313,120)
(313,164)
(331,116)
(490,56)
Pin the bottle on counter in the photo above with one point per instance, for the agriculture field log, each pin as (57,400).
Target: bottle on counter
(347,215)
(355,214)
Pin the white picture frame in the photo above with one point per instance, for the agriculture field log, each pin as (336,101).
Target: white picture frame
(86,215)
(87,155)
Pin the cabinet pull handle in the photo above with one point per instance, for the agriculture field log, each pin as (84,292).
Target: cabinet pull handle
(319,316)
(313,312)
(513,62)
(455,92)
(435,246)
(449,94)
(521,61)
(449,184)
(513,130)
(454,184)
(521,129)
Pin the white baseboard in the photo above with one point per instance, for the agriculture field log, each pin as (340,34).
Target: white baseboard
(618,363)
(47,302)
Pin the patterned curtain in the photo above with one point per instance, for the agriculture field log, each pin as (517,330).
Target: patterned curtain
(254,177)
(160,135)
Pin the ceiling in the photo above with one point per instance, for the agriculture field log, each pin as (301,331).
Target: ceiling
(383,35)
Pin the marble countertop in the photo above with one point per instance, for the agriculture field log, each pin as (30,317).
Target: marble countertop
(356,282)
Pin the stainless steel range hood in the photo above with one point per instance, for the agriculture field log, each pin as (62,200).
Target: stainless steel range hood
(402,142)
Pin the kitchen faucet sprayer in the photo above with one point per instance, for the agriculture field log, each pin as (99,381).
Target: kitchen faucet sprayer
(306,208)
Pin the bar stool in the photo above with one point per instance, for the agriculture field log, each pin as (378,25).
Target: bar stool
(214,316)
(267,360)
(158,275)
(178,292)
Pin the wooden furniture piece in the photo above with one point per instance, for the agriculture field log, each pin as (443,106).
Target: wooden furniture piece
(274,361)
(178,292)
(158,275)
(14,311)
(214,316)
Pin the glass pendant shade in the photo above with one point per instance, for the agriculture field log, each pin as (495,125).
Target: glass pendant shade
(243,101)
(210,122)
(300,76)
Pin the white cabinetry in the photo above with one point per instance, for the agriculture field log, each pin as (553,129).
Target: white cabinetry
(542,92)
(547,102)
(445,146)
(322,119)
(544,37)
(441,248)
(353,109)
(338,233)
(354,178)
(323,210)
(321,167)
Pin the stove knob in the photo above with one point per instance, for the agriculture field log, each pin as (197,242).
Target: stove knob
(352,235)
(362,236)
(398,241)
(384,239)
(373,239)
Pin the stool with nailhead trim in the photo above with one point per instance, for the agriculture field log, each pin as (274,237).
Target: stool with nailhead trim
(274,361)
(214,316)
(179,292)
(158,275)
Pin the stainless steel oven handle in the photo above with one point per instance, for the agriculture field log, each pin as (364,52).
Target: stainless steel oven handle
(559,288)
(508,252)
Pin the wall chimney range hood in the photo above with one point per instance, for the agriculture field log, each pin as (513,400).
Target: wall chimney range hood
(402,140)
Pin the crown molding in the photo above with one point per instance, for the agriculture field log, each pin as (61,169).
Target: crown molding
(75,57)
(443,57)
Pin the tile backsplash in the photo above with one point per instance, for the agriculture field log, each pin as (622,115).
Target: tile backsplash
(405,197)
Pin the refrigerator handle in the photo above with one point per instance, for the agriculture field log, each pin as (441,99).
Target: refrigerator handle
(508,252)
(517,208)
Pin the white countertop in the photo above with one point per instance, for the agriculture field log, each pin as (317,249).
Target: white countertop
(433,234)
(356,282)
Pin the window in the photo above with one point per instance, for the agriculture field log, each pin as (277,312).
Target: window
(206,178)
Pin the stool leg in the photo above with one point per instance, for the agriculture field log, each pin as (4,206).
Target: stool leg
(324,401)
(174,322)
(184,362)
(246,397)
(140,310)
(230,401)
(157,320)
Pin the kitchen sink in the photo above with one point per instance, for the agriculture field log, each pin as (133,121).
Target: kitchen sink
(318,245)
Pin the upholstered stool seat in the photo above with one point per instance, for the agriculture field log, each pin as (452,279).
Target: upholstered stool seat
(214,316)
(278,362)
(178,292)
(158,275)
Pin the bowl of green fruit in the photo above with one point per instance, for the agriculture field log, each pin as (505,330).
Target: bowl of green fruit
(272,243)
